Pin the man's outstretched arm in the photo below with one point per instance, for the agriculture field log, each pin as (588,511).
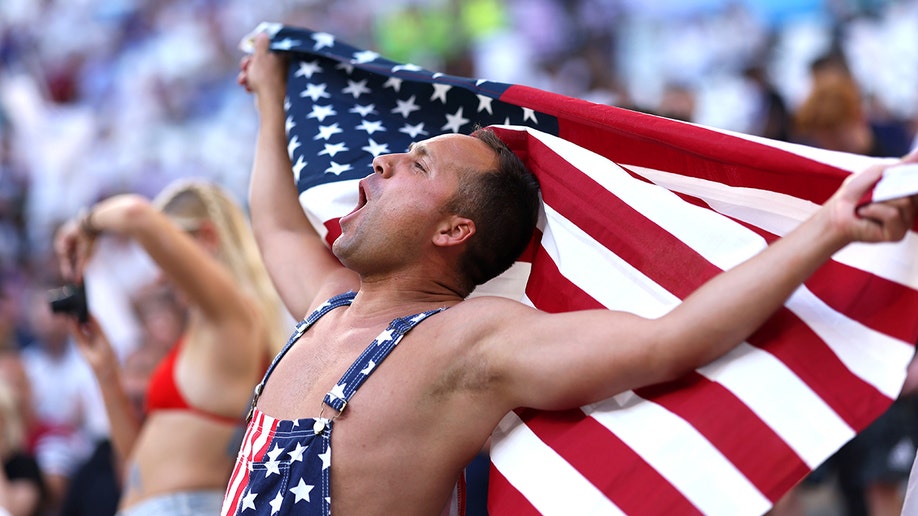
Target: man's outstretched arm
(570,359)
(299,262)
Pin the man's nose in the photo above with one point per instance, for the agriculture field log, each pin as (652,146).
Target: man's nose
(382,165)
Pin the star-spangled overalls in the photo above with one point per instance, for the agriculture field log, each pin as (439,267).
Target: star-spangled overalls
(283,465)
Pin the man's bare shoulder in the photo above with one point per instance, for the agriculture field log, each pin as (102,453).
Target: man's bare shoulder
(490,313)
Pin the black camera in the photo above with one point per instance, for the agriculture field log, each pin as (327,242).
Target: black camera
(70,299)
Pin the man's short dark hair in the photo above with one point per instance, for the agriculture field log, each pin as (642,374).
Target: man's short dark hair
(504,203)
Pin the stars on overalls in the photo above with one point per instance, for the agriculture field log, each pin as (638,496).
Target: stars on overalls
(272,466)
(296,455)
(384,336)
(301,492)
(326,458)
(276,502)
(338,391)
(248,501)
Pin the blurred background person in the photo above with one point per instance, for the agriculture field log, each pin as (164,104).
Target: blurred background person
(67,406)
(178,458)
(22,485)
(95,487)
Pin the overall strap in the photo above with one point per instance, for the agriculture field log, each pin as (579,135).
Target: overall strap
(371,357)
(340,300)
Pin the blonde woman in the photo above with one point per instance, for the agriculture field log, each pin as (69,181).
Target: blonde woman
(178,459)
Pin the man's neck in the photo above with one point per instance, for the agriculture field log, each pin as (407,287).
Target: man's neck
(389,299)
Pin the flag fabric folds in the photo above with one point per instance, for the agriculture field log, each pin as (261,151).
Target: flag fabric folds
(638,211)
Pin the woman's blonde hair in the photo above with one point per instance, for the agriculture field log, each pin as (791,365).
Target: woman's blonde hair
(189,202)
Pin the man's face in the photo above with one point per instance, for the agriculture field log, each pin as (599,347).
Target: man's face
(403,201)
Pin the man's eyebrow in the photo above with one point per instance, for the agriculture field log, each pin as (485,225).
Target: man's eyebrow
(419,147)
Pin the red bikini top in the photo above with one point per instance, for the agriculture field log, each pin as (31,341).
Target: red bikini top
(163,392)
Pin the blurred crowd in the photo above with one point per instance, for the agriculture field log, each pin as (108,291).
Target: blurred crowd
(99,97)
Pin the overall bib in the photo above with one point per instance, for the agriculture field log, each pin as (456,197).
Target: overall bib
(283,465)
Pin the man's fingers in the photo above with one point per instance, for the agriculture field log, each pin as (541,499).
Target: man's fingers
(261,42)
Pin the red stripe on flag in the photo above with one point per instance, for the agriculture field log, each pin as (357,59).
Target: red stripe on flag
(638,489)
(504,498)
(334,230)
(772,466)
(551,291)
(878,303)
(803,352)
(634,138)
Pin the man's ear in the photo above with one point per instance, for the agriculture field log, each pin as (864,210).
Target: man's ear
(454,231)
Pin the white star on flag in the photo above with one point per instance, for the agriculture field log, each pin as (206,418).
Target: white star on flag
(393,82)
(333,148)
(327,131)
(370,127)
(407,67)
(337,168)
(366,56)
(406,107)
(293,145)
(455,121)
(306,69)
(484,104)
(285,44)
(321,112)
(413,130)
(363,110)
(315,92)
(323,39)
(376,148)
(529,114)
(440,91)
(356,88)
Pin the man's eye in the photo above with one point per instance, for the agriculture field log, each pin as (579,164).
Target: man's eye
(420,167)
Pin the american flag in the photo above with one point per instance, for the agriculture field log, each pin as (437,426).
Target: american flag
(638,211)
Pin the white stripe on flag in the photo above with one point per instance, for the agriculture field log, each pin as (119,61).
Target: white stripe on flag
(329,200)
(682,455)
(837,159)
(772,211)
(554,487)
(619,287)
(782,401)
(871,355)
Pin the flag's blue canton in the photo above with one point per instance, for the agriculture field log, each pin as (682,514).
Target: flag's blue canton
(347,105)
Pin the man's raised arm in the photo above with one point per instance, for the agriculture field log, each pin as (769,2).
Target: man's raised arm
(299,262)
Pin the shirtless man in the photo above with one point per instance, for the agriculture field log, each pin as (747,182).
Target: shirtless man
(402,440)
